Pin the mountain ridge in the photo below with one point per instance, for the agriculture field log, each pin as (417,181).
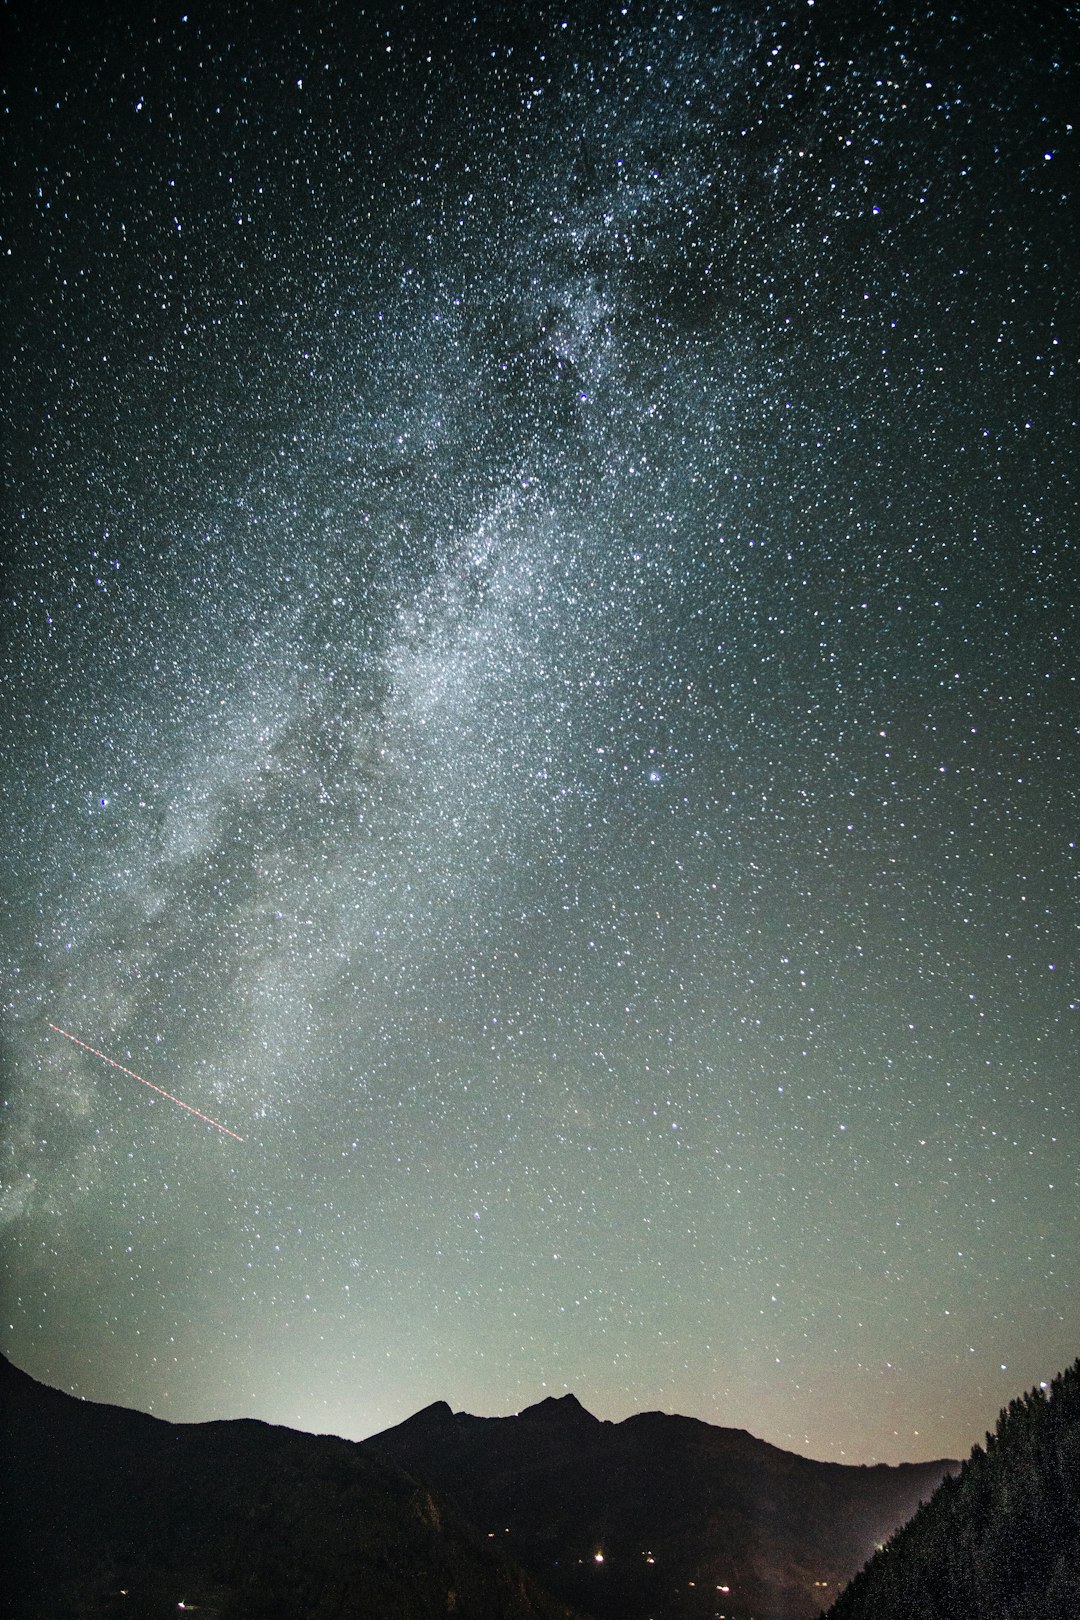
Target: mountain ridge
(440,1412)
(659,1512)
(547,1514)
(109,1511)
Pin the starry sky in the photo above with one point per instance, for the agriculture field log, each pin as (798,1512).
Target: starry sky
(540,691)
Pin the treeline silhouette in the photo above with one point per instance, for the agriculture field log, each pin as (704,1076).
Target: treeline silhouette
(1000,1540)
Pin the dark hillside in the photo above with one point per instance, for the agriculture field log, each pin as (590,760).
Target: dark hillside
(998,1541)
(688,1519)
(108,1512)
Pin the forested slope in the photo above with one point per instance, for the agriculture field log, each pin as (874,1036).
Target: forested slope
(1000,1540)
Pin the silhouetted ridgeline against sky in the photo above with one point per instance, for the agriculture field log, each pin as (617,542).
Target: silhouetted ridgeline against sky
(659,1514)
(655,1515)
(110,1512)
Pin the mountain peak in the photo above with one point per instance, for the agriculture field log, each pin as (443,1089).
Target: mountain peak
(563,1408)
(428,1416)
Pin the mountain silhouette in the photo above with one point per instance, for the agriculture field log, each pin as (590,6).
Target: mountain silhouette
(1000,1540)
(109,1512)
(658,1516)
(546,1515)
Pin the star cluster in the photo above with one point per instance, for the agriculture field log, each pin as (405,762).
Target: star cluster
(540,655)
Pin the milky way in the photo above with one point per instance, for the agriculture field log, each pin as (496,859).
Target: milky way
(539,657)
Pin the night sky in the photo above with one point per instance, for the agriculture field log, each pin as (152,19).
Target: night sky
(539,667)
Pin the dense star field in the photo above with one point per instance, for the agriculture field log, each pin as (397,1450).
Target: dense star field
(540,691)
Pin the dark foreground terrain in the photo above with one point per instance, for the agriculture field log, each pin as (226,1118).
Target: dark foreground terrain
(106,1512)
(998,1541)
(110,1512)
(659,1516)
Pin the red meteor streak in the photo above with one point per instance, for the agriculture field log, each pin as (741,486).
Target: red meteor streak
(93,1049)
